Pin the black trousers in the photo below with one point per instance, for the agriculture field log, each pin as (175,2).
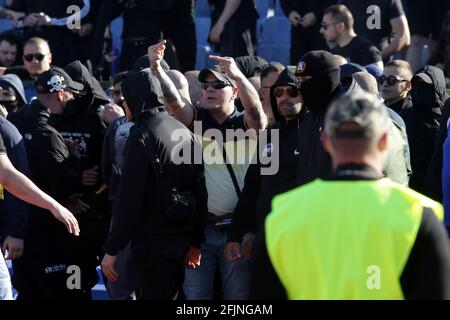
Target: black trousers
(179,28)
(158,268)
(41,273)
(238,38)
(304,40)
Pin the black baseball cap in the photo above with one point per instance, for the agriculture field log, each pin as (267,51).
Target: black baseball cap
(219,75)
(56,79)
(316,63)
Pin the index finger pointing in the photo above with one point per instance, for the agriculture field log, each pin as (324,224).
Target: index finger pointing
(217,58)
(159,44)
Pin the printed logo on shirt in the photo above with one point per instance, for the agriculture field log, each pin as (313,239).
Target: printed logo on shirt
(267,152)
(55,268)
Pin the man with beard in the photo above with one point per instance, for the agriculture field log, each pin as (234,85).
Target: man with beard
(280,153)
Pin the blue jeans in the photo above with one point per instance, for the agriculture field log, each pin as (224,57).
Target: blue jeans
(198,284)
(5,280)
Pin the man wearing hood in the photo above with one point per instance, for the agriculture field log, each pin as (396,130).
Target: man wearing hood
(155,205)
(41,274)
(12,94)
(260,187)
(82,127)
(319,75)
(428,95)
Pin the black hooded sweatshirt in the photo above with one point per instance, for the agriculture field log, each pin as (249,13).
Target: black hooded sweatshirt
(422,124)
(317,92)
(139,213)
(259,189)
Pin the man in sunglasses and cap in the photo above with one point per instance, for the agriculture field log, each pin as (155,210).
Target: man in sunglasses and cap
(40,274)
(224,170)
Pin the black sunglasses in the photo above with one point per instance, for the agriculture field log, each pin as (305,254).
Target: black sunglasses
(325,26)
(291,91)
(391,80)
(38,56)
(214,84)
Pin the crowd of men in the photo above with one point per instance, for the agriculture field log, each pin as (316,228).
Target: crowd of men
(249,179)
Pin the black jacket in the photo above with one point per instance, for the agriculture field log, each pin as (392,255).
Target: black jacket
(277,154)
(149,171)
(433,180)
(51,167)
(422,125)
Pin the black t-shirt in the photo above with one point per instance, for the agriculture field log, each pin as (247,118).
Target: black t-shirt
(360,51)
(246,10)
(388,10)
(2,145)
(21,72)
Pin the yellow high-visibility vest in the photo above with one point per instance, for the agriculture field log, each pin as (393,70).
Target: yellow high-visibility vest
(344,239)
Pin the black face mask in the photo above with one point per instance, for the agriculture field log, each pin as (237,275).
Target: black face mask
(10,106)
(317,91)
(80,103)
(423,95)
(120,102)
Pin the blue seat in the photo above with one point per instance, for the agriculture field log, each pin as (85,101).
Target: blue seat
(116,31)
(30,91)
(99,291)
(202,8)
(202,26)
(203,51)
(278,10)
(6,25)
(276,31)
(278,53)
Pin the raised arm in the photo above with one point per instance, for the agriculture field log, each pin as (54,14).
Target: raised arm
(254,115)
(181,108)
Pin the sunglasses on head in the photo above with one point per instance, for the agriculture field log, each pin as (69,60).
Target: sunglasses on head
(391,80)
(291,91)
(31,56)
(214,84)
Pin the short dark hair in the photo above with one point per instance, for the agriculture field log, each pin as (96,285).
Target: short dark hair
(10,39)
(271,67)
(119,77)
(341,13)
